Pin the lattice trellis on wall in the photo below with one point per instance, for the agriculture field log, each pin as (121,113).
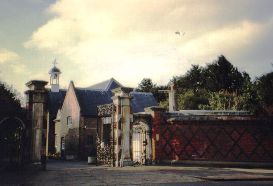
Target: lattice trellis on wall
(104,154)
(216,141)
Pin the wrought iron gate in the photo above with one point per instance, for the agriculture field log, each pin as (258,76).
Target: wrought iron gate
(139,143)
(12,141)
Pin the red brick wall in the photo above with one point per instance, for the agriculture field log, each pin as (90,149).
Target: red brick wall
(88,127)
(213,140)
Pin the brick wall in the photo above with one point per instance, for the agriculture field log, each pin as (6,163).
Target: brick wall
(233,140)
(88,132)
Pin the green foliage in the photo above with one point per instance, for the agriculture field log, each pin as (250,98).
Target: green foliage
(265,88)
(223,100)
(192,100)
(193,79)
(160,96)
(146,85)
(222,75)
(8,98)
(164,104)
(217,76)
(217,86)
(249,99)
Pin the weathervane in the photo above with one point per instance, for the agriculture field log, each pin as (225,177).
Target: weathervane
(55,62)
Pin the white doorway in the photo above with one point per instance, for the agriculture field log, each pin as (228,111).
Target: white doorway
(140,143)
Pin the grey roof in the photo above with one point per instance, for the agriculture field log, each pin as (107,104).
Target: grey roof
(55,101)
(99,94)
(105,85)
(142,100)
(90,99)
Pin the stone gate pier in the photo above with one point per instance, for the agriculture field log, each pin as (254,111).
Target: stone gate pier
(36,106)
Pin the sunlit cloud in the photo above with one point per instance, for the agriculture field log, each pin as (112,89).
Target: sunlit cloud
(130,40)
(7,56)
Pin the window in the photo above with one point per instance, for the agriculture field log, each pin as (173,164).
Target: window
(89,140)
(69,121)
(107,120)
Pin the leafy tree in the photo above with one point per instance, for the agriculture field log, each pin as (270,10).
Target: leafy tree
(264,86)
(223,100)
(218,85)
(249,99)
(193,79)
(8,99)
(222,75)
(160,96)
(192,100)
(146,85)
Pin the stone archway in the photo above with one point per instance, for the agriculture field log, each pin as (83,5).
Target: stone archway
(12,133)
(141,143)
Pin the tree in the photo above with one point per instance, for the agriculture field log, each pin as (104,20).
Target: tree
(193,79)
(146,85)
(249,96)
(264,86)
(223,100)
(222,75)
(219,80)
(8,99)
(192,100)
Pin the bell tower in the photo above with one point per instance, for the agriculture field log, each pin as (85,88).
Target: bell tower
(54,77)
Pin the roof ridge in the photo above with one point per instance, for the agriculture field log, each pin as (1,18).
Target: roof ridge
(111,81)
(91,90)
(104,85)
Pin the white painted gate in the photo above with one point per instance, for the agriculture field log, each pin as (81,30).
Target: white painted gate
(139,143)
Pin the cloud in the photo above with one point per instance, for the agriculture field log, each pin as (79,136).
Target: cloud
(7,55)
(20,69)
(133,39)
(228,40)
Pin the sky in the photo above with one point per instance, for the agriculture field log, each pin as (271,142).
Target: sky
(94,40)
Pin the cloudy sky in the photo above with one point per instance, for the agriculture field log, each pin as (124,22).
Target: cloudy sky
(94,40)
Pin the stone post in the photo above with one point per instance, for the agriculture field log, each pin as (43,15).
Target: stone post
(122,126)
(36,105)
(172,99)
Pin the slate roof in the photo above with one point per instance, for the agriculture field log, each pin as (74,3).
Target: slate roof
(107,85)
(55,101)
(90,99)
(142,100)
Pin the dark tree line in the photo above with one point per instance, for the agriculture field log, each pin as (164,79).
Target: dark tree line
(217,86)
(8,98)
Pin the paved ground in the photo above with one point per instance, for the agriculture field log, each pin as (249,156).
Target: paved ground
(79,173)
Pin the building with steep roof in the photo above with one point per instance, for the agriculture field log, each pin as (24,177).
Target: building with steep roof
(54,103)
(77,123)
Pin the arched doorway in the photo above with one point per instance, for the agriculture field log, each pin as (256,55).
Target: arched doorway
(11,141)
(141,143)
